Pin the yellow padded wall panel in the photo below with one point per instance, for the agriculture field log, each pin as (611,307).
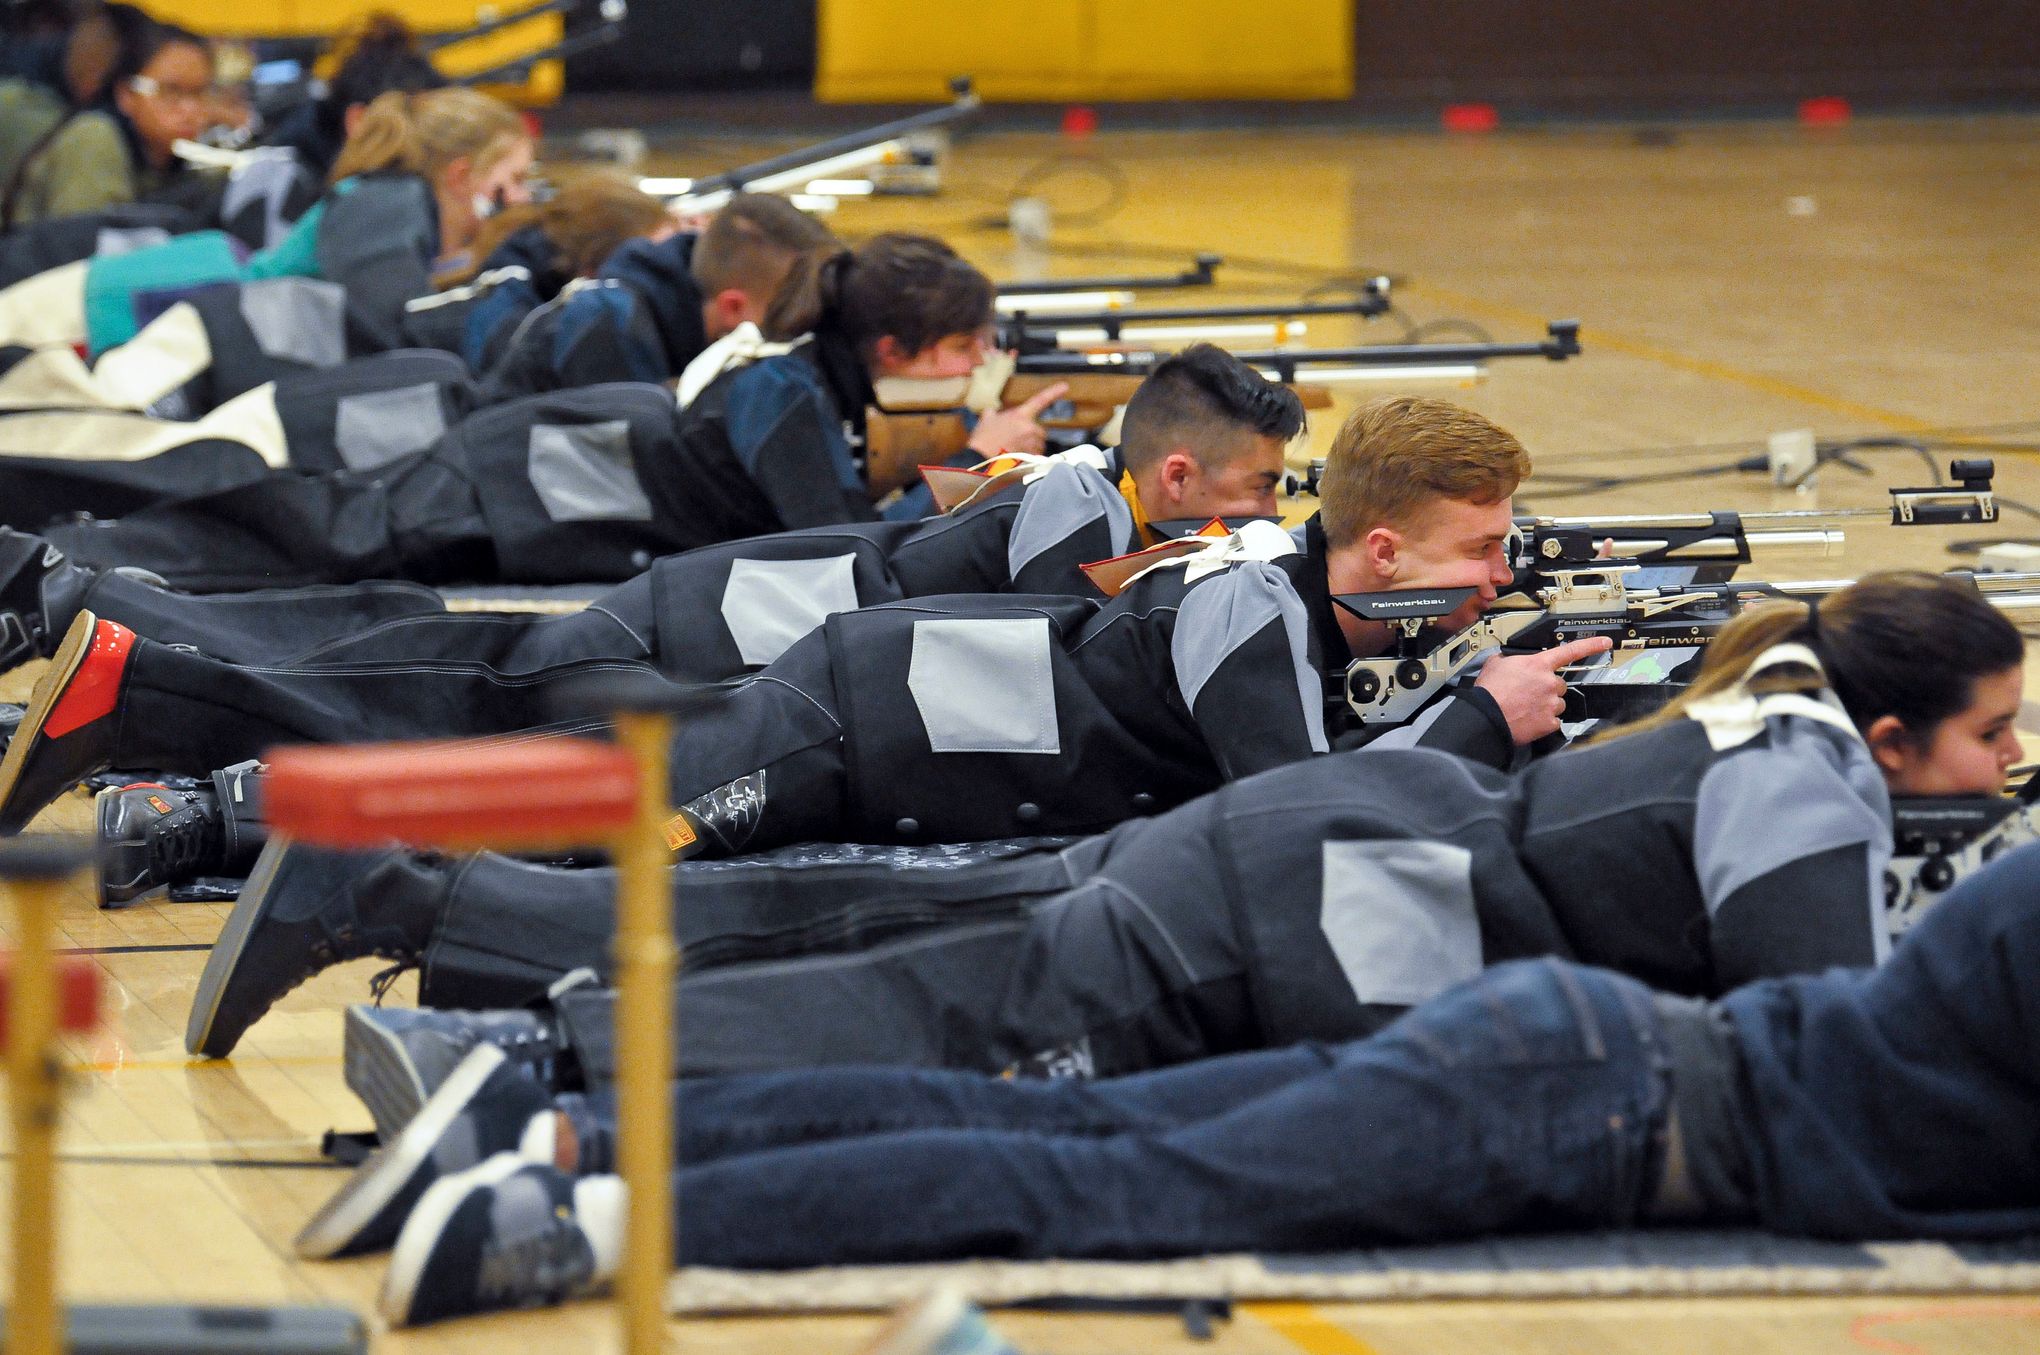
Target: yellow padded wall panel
(1055,50)
(1225,49)
(874,51)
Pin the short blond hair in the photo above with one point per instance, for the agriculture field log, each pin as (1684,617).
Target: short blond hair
(1393,456)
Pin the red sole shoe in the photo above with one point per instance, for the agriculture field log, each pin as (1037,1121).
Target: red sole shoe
(81,687)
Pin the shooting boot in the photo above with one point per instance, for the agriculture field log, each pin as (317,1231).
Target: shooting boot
(69,728)
(303,910)
(40,591)
(151,837)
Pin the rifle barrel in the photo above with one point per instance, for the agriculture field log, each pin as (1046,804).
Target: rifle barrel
(1285,362)
(1827,542)
(736,180)
(1668,520)
(1023,320)
(1201,273)
(1080,340)
(1992,586)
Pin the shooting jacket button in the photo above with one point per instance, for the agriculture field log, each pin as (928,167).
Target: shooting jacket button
(907,827)
(1028,812)
(1143,802)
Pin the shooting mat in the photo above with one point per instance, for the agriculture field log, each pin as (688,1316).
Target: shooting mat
(1657,1263)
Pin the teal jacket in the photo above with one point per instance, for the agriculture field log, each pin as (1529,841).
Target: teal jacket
(376,235)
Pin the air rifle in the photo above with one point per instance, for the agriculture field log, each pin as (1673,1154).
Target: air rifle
(610,16)
(1327,364)
(1202,272)
(1936,840)
(1572,600)
(924,422)
(1028,332)
(836,156)
(1718,542)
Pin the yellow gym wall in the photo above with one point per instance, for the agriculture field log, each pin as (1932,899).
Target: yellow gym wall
(1057,50)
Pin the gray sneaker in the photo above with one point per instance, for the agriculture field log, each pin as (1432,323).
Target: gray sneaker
(394,1058)
(486,1107)
(508,1233)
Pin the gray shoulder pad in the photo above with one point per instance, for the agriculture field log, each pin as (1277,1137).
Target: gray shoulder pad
(1222,613)
(1058,506)
(1806,790)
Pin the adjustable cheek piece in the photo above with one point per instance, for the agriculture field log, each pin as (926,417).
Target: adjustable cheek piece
(1575,604)
(1392,688)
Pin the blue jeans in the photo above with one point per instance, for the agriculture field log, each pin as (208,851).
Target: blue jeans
(1534,1096)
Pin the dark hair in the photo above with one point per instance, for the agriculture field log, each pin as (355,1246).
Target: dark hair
(912,287)
(752,244)
(138,38)
(1902,642)
(1203,399)
(377,54)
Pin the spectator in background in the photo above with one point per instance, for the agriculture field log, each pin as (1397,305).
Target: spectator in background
(376,54)
(135,87)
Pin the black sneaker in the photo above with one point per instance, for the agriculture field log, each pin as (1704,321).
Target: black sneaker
(487,1106)
(304,910)
(395,1058)
(152,836)
(506,1234)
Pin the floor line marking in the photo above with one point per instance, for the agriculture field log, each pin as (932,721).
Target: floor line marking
(195,1062)
(166,949)
(1305,1326)
(1863,1331)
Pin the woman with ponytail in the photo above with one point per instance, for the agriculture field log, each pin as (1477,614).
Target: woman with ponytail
(376,54)
(775,409)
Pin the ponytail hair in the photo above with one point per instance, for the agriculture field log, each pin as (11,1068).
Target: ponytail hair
(423,133)
(587,220)
(372,55)
(1903,643)
(912,287)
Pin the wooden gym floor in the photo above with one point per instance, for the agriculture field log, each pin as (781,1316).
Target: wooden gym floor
(1733,280)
